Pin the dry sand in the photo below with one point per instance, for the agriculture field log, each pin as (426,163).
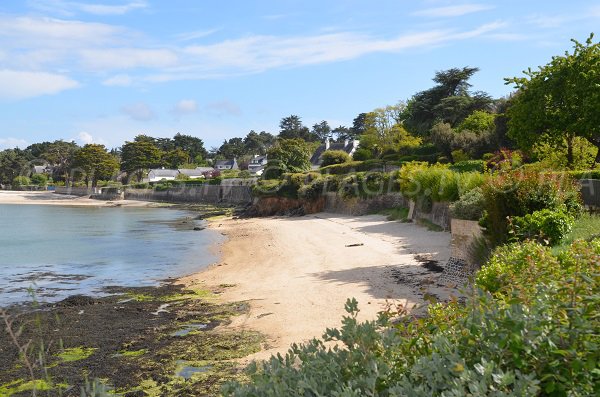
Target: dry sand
(50,198)
(297,273)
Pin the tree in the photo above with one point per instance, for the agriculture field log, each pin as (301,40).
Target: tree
(449,101)
(288,155)
(175,158)
(192,145)
(139,155)
(384,131)
(559,102)
(95,163)
(61,154)
(39,179)
(342,133)
(36,150)
(321,131)
(291,127)
(232,148)
(358,126)
(258,143)
(13,163)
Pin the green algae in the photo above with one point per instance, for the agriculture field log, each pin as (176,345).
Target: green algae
(20,385)
(132,353)
(76,353)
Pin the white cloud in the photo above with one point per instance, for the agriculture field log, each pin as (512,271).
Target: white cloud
(222,108)
(185,106)
(139,111)
(127,58)
(120,80)
(85,138)
(71,7)
(198,34)
(11,143)
(19,85)
(452,11)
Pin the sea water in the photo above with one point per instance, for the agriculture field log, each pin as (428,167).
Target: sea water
(55,251)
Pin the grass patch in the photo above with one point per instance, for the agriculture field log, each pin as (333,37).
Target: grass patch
(429,225)
(586,228)
(396,214)
(133,353)
(76,353)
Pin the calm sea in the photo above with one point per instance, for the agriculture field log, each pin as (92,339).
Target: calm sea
(61,251)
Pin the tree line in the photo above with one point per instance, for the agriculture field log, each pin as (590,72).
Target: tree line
(552,117)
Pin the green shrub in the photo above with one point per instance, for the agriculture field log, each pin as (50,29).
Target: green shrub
(511,194)
(436,182)
(21,181)
(362,154)
(39,179)
(538,336)
(331,157)
(215,181)
(468,166)
(312,191)
(545,226)
(267,187)
(459,156)
(143,185)
(469,206)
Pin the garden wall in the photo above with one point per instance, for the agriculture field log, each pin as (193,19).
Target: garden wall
(212,194)
(590,192)
(439,214)
(361,206)
(75,191)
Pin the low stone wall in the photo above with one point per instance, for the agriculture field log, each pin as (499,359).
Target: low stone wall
(109,194)
(358,206)
(76,191)
(212,194)
(439,214)
(590,192)
(461,266)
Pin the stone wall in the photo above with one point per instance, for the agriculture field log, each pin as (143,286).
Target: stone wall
(590,192)
(438,215)
(212,194)
(359,206)
(461,265)
(76,191)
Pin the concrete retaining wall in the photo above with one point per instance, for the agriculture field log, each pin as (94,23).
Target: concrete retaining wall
(212,194)
(439,214)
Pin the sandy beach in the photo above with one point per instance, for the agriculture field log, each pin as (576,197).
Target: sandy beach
(50,198)
(297,273)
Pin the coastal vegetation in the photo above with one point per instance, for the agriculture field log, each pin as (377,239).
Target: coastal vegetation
(529,325)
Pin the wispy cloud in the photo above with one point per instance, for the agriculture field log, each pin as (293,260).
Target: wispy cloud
(11,143)
(223,108)
(69,8)
(185,106)
(198,34)
(452,11)
(119,80)
(127,58)
(139,111)
(16,84)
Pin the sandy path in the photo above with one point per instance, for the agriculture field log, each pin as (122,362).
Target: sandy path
(298,272)
(50,198)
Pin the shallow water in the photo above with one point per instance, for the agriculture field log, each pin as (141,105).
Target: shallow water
(61,251)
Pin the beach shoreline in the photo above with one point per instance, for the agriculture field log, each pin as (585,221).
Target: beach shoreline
(297,273)
(49,198)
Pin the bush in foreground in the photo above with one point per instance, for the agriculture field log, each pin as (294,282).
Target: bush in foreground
(534,337)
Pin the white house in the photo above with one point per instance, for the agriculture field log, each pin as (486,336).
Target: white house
(159,174)
(222,165)
(346,146)
(257,165)
(196,173)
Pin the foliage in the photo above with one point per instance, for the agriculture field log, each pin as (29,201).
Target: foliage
(545,226)
(536,337)
(478,122)
(362,154)
(139,155)
(468,166)
(21,181)
(459,155)
(554,156)
(559,101)
(13,162)
(469,206)
(291,127)
(95,163)
(175,158)
(449,101)
(39,179)
(288,155)
(519,193)
(331,157)
(586,227)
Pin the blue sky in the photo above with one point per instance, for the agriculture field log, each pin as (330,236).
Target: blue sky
(104,71)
